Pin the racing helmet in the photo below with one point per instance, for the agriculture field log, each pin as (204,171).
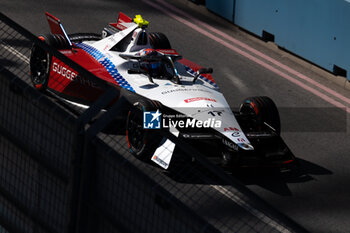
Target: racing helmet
(150,63)
(148,52)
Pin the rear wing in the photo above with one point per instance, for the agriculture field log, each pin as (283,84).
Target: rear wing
(122,20)
(122,23)
(56,26)
(125,22)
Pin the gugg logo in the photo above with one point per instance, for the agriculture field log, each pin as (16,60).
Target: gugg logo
(63,71)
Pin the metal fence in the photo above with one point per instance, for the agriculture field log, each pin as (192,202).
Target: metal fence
(69,169)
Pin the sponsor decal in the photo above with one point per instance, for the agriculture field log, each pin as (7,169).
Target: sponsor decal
(112,40)
(241,139)
(168,51)
(183,89)
(160,161)
(198,99)
(71,75)
(236,134)
(66,51)
(199,136)
(230,144)
(63,71)
(231,129)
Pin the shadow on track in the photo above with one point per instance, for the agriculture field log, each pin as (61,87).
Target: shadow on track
(276,180)
(273,179)
(8,63)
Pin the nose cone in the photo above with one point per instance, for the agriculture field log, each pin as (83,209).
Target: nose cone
(246,146)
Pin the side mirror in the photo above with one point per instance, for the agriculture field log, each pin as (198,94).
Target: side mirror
(202,71)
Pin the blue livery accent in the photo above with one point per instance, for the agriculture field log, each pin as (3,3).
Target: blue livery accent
(192,72)
(110,67)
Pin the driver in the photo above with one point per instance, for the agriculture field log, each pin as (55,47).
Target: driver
(151,62)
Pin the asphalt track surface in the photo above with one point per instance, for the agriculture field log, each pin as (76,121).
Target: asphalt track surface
(318,195)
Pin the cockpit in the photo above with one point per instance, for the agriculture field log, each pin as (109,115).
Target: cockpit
(156,64)
(149,53)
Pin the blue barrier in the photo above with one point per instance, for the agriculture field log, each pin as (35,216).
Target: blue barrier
(224,8)
(317,30)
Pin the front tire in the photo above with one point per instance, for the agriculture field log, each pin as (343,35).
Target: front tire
(264,113)
(159,41)
(141,142)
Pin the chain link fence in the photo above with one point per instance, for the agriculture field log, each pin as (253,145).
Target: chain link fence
(68,168)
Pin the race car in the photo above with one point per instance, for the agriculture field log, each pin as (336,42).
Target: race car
(177,95)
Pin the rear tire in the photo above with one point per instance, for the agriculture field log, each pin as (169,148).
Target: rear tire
(56,41)
(263,111)
(40,59)
(159,41)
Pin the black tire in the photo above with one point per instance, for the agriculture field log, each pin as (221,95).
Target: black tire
(40,59)
(80,37)
(56,41)
(141,142)
(159,41)
(263,111)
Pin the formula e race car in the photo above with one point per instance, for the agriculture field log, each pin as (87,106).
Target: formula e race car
(180,96)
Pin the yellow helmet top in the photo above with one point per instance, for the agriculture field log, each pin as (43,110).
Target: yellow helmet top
(140,21)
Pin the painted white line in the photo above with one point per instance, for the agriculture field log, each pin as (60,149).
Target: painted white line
(249,56)
(261,216)
(15,52)
(256,52)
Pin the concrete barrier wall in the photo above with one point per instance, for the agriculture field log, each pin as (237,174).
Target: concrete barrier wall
(317,30)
